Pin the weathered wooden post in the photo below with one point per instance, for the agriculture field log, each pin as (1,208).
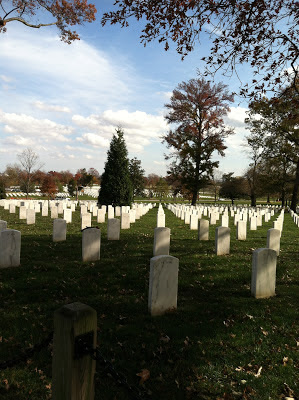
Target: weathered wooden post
(72,373)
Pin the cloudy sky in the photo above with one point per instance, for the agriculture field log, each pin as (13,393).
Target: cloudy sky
(65,101)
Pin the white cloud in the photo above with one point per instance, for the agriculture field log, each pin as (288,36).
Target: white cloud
(160,162)
(77,74)
(237,115)
(5,78)
(19,140)
(94,140)
(36,129)
(48,107)
(140,128)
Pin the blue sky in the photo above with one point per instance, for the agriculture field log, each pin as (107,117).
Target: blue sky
(65,101)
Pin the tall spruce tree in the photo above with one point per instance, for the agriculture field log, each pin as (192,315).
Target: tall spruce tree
(116,186)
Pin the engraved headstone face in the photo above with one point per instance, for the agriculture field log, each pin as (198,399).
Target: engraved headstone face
(160,220)
(194,222)
(101,215)
(252,223)
(241,230)
(273,240)
(10,248)
(224,220)
(132,216)
(222,240)
(30,216)
(163,284)
(59,230)
(203,229)
(161,241)
(91,244)
(22,212)
(263,277)
(113,229)
(54,212)
(67,215)
(85,220)
(125,220)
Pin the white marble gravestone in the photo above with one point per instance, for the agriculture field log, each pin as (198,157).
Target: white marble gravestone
(85,220)
(263,277)
(10,248)
(163,284)
(222,240)
(125,220)
(241,232)
(113,229)
(91,244)
(161,241)
(203,229)
(59,230)
(273,240)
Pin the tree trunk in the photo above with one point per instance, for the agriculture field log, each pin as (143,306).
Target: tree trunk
(194,197)
(268,198)
(295,189)
(283,196)
(253,199)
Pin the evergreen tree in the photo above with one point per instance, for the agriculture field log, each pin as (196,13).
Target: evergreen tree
(137,176)
(116,186)
(72,186)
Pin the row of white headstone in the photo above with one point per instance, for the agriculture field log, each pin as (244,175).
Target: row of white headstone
(10,239)
(295,217)
(163,283)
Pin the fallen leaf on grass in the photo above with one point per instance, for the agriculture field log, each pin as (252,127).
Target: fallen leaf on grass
(144,375)
(258,372)
(285,360)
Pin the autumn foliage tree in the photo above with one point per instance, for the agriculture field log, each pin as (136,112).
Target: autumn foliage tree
(197,109)
(48,186)
(261,33)
(274,126)
(62,13)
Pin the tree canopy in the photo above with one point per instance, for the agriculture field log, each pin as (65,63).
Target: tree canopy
(197,109)
(116,187)
(233,187)
(274,130)
(62,13)
(30,165)
(137,176)
(264,34)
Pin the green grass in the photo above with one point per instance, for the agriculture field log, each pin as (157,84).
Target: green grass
(210,348)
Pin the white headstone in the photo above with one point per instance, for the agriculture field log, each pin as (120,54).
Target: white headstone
(222,241)
(113,229)
(273,240)
(163,284)
(59,230)
(203,229)
(125,220)
(85,221)
(161,241)
(263,277)
(91,244)
(10,248)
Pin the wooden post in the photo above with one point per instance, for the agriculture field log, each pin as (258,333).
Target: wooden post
(73,379)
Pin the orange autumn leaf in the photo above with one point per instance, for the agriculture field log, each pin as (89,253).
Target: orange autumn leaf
(144,375)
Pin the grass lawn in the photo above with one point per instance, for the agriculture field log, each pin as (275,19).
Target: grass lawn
(221,343)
